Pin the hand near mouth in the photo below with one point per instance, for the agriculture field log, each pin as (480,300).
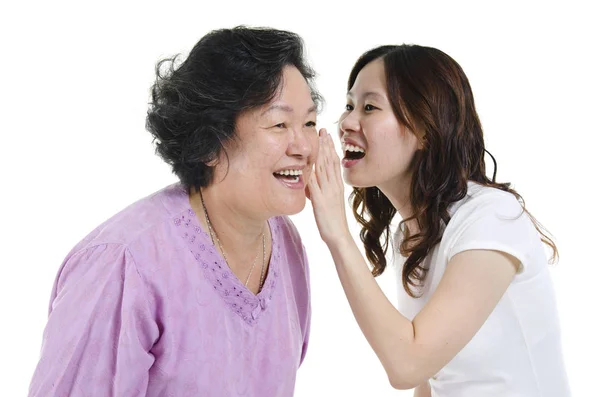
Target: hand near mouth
(326,192)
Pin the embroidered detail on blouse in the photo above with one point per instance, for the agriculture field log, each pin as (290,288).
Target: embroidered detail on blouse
(235,295)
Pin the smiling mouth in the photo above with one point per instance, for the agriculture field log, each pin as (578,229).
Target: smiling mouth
(353,155)
(352,152)
(290,176)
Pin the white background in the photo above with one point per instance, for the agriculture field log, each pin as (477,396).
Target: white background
(74,89)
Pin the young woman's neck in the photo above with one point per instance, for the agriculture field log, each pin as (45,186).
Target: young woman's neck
(398,192)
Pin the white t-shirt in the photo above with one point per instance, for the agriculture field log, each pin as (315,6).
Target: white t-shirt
(517,351)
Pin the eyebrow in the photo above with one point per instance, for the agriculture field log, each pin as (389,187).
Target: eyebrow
(287,109)
(366,94)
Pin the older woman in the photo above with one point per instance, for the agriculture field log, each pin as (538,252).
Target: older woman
(201,288)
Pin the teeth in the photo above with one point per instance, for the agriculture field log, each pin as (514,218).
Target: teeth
(290,172)
(352,148)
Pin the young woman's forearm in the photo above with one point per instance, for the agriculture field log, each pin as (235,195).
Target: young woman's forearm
(390,334)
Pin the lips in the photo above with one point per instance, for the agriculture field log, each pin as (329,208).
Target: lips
(347,163)
(295,182)
(353,153)
(291,177)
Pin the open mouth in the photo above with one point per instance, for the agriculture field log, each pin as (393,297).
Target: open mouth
(352,152)
(289,176)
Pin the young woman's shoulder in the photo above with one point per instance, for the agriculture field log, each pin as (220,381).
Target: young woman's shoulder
(492,219)
(484,200)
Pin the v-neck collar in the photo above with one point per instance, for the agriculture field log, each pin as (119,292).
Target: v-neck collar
(232,291)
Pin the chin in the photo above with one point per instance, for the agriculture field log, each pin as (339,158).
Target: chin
(355,180)
(290,206)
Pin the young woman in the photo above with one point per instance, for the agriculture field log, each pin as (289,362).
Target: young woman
(477,313)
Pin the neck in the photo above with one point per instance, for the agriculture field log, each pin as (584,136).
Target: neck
(398,192)
(238,231)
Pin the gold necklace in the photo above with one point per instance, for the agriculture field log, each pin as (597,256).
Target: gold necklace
(213,236)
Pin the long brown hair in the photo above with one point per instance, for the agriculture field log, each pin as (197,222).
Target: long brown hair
(430,95)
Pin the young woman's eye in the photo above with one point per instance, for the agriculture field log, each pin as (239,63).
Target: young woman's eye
(368,108)
(310,124)
(349,108)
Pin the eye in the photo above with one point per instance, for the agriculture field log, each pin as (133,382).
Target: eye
(369,108)
(280,125)
(310,124)
(349,108)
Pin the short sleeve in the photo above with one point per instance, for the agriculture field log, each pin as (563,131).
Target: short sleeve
(493,222)
(100,329)
(300,279)
(307,312)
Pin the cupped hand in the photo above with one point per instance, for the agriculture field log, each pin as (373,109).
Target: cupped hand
(326,192)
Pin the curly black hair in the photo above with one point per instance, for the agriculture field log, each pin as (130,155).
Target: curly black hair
(195,105)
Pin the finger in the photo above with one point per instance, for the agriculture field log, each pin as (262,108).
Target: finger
(337,163)
(328,158)
(321,165)
(319,149)
(333,160)
(313,188)
(331,145)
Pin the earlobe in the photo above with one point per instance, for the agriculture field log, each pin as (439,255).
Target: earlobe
(216,157)
(421,140)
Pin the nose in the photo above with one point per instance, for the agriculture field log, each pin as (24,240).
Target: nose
(349,122)
(300,145)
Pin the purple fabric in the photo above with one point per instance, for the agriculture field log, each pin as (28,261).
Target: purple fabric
(145,306)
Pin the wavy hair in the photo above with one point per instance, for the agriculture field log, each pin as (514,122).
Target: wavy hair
(430,95)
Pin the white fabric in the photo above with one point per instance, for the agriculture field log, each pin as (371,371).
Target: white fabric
(517,352)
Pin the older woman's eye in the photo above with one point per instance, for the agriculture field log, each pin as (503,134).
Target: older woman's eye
(280,125)
(310,124)
(349,108)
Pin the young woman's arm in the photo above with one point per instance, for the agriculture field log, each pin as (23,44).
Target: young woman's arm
(410,351)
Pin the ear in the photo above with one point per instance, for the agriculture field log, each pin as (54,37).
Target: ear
(421,139)
(216,158)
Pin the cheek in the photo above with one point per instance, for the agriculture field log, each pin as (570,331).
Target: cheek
(383,134)
(393,144)
(340,122)
(314,147)
(269,152)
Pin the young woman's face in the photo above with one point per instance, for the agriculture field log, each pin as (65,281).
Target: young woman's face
(269,163)
(377,149)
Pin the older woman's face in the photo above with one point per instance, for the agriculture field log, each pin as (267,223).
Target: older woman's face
(270,162)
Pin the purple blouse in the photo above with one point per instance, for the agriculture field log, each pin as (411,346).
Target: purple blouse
(146,306)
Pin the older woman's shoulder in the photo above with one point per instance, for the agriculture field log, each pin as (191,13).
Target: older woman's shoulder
(284,226)
(286,234)
(140,219)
